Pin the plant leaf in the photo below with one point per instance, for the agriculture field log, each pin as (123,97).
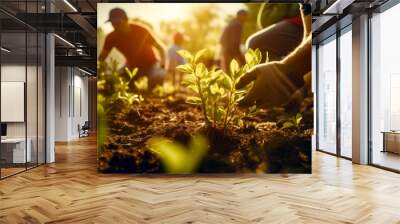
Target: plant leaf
(287,124)
(201,70)
(186,68)
(298,118)
(220,113)
(193,100)
(249,56)
(194,88)
(226,82)
(186,55)
(258,54)
(214,89)
(199,55)
(177,158)
(234,67)
(131,73)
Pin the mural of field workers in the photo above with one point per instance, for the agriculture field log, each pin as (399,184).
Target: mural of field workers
(204,88)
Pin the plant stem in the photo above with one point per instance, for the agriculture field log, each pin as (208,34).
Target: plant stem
(215,114)
(233,112)
(228,110)
(203,103)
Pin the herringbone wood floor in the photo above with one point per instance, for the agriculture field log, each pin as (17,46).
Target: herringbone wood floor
(71,191)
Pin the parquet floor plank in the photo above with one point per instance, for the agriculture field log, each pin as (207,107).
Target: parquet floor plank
(71,191)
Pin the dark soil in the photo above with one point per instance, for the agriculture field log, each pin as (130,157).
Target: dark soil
(259,147)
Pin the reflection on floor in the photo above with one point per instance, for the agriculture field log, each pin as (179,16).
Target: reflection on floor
(387,159)
(10,169)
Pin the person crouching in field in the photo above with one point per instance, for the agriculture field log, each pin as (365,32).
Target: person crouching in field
(137,43)
(174,59)
(279,83)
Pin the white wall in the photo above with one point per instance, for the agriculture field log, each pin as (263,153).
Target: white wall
(71,94)
(62,82)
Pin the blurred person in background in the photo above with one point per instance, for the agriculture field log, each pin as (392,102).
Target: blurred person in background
(137,43)
(174,59)
(231,38)
(279,83)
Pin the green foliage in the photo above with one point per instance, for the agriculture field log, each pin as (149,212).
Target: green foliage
(101,123)
(214,89)
(113,88)
(177,158)
(293,122)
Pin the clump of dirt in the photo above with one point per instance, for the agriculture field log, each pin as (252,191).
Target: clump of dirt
(252,148)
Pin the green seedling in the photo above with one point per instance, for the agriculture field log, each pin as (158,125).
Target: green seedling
(214,89)
(114,95)
(176,158)
(293,122)
(166,89)
(142,84)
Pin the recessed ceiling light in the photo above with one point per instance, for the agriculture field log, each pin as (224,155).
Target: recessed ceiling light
(64,40)
(84,71)
(337,7)
(70,5)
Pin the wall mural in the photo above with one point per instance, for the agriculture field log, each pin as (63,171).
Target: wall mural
(204,88)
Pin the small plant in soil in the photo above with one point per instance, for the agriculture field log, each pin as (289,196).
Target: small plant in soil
(214,90)
(142,84)
(177,158)
(293,122)
(166,89)
(115,95)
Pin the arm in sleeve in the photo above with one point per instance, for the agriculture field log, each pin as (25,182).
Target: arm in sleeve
(108,45)
(157,43)
(299,61)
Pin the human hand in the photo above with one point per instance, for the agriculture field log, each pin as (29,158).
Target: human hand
(271,86)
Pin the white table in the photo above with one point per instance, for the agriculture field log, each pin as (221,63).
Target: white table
(19,155)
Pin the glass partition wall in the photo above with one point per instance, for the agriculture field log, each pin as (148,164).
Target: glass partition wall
(326,56)
(22,77)
(334,94)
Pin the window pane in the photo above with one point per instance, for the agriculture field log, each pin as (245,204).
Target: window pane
(346,94)
(385,84)
(327,96)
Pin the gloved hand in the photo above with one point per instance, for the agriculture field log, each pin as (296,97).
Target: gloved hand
(271,86)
